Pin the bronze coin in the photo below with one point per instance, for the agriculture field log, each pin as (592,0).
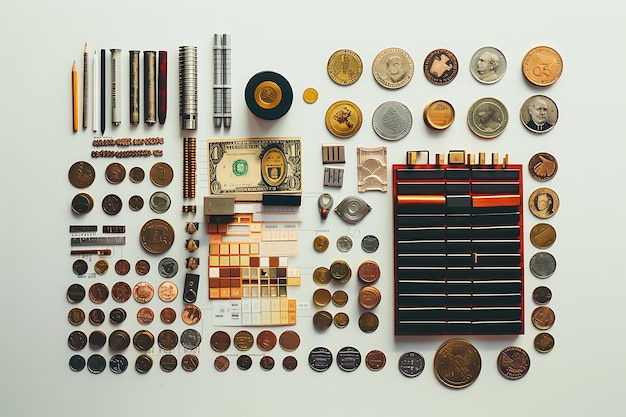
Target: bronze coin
(96,317)
(143,340)
(513,362)
(136,175)
(243,340)
(369,272)
(340,270)
(167,339)
(80,267)
(368,322)
(143,363)
(290,363)
(101,266)
(542,166)
(122,267)
(145,315)
(168,315)
(267,363)
(457,363)
(111,204)
(544,342)
(322,320)
(440,66)
(117,315)
(168,291)
(191,314)
(320,243)
(289,340)
(75,293)
(542,295)
(543,203)
(244,362)
(369,297)
(543,317)
(81,174)
(266,340)
(542,235)
(97,339)
(189,362)
(77,340)
(119,340)
(161,174)
(542,66)
(375,360)
(168,362)
(339,298)
(115,173)
(98,293)
(321,275)
(143,292)
(120,291)
(142,267)
(76,316)
(221,363)
(341,320)
(135,202)
(156,236)
(321,297)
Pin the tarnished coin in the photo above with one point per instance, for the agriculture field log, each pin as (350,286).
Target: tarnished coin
(167,339)
(119,340)
(488,65)
(393,68)
(220,341)
(345,67)
(411,364)
(321,275)
(243,340)
(221,363)
(122,267)
(76,293)
(542,295)
(320,243)
(115,173)
(457,363)
(81,174)
(135,202)
(340,270)
(77,363)
(168,362)
(341,320)
(77,340)
(348,359)
(244,362)
(111,204)
(320,359)
(369,297)
(392,120)
(368,322)
(369,272)
(289,340)
(539,114)
(101,266)
(544,203)
(136,175)
(542,264)
(96,316)
(98,292)
(375,360)
(117,315)
(189,362)
(121,291)
(542,235)
(542,66)
(290,363)
(343,119)
(321,297)
(76,316)
(143,292)
(339,298)
(142,267)
(97,339)
(440,66)
(322,320)
(79,267)
(513,362)
(267,363)
(156,236)
(82,203)
(145,315)
(168,315)
(544,342)
(344,243)
(160,202)
(96,363)
(543,317)
(161,174)
(168,267)
(191,314)
(143,363)
(438,114)
(168,291)
(266,340)
(310,95)
(487,117)
(369,243)
(542,166)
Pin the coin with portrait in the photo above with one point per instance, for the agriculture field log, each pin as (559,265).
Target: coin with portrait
(539,114)
(487,117)
(393,68)
(488,65)
(543,203)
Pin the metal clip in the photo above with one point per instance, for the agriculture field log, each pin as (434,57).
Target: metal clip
(325,203)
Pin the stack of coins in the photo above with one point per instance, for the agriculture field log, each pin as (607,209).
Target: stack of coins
(188,86)
(189,167)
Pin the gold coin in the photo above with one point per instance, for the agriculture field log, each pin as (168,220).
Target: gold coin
(101,266)
(167,291)
(393,68)
(322,320)
(310,95)
(76,316)
(487,117)
(161,174)
(441,66)
(542,66)
(321,275)
(340,298)
(340,270)
(343,119)
(542,166)
(341,320)
(268,95)
(544,342)
(543,317)
(320,243)
(542,235)
(156,236)
(321,297)
(438,114)
(457,363)
(243,340)
(345,67)
(543,203)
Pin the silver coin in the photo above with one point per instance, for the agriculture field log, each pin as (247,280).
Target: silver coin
(488,65)
(539,114)
(160,202)
(168,267)
(411,364)
(344,243)
(542,264)
(487,117)
(392,120)
(190,339)
(369,243)
(352,209)
(348,359)
(320,359)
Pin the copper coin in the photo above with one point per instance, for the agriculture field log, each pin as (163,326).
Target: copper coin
(267,363)
(168,291)
(190,339)
(135,202)
(168,363)
(167,339)
(368,322)
(143,363)
(375,360)
(77,340)
(543,317)
(457,363)
(243,340)
(82,203)
(168,315)
(221,363)
(75,293)
(143,292)
(142,267)
(121,291)
(343,119)
(117,315)
(369,297)
(542,166)
(244,362)
(189,362)
(320,243)
(81,174)
(119,340)
(339,298)
(143,340)
(145,315)
(111,204)
(98,293)
(542,235)
(543,203)
(161,174)
(97,339)
(191,314)
(344,67)
(513,362)
(539,114)
(266,340)
(96,317)
(341,320)
(156,236)
(440,66)
(220,341)
(80,267)
(290,363)
(369,272)
(76,316)
(322,319)
(122,267)
(321,275)
(115,173)
(393,68)
(544,342)
(289,340)
(136,174)
(542,295)
(101,266)
(321,297)
(542,66)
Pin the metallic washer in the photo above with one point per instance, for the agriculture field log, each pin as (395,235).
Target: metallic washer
(542,265)
(352,209)
(344,243)
(160,202)
(392,120)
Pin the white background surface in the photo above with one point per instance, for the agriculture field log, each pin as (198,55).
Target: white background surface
(581,376)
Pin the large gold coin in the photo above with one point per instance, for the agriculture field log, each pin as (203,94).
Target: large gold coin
(393,68)
(322,275)
(345,67)
(543,203)
(156,236)
(320,243)
(457,363)
(542,66)
(343,119)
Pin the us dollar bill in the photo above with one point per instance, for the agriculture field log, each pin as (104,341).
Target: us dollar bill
(255,165)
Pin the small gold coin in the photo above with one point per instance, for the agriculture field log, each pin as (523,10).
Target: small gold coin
(457,363)
(543,203)
(322,320)
(544,342)
(341,320)
(321,297)
(393,68)
(310,95)
(543,317)
(321,275)
(542,66)
(101,266)
(340,298)
(320,243)
(343,119)
(542,235)
(243,340)
(345,67)
(438,114)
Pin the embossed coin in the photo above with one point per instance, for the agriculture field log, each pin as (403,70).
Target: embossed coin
(375,360)
(189,362)
(320,243)
(344,67)
(440,66)
(369,297)
(543,317)
(289,340)
(457,363)
(122,267)
(81,174)
(438,114)
(369,243)
(101,266)
(348,359)
(76,316)
(244,362)
(542,235)
(119,340)
(544,342)
(392,120)
(542,295)
(542,264)
(190,339)
(340,270)
(411,364)
(290,363)
(321,275)
(513,362)
(168,291)
(143,340)
(143,292)
(168,363)
(243,340)
(544,203)
(310,95)
(160,202)
(142,267)
(344,243)
(368,322)
(266,340)
(322,320)
(156,236)
(135,202)
(117,315)
(115,173)
(136,175)
(82,203)
(168,267)
(79,267)
(339,298)
(121,291)
(368,272)
(221,363)
(343,119)
(320,359)
(191,314)
(393,68)
(542,66)
(487,117)
(98,292)
(77,340)
(220,341)
(77,363)
(488,65)
(542,166)
(145,315)
(118,364)
(75,293)
(96,316)
(161,174)
(539,114)
(168,315)
(341,320)
(143,363)
(267,363)
(321,297)
(96,364)
(167,339)
(111,204)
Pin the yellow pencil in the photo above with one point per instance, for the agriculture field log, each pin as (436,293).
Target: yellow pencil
(75,96)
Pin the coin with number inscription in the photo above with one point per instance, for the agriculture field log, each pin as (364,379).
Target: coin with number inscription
(488,65)
(392,120)
(98,292)
(440,66)
(542,66)
(411,364)
(457,363)
(345,67)
(393,68)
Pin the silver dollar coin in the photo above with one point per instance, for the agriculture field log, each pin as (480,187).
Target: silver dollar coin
(542,264)
(488,65)
(392,120)
(344,243)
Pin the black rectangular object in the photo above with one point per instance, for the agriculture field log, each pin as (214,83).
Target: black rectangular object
(495,188)
(458,188)
(422,247)
(498,260)
(421,209)
(496,174)
(496,246)
(509,300)
(421,300)
(421,273)
(489,287)
(420,220)
(495,219)
(422,314)
(409,188)
(420,328)
(497,273)
(282,199)
(495,314)
(513,327)
(457,174)
(425,233)
(420,174)
(495,232)
(421,287)
(458,201)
